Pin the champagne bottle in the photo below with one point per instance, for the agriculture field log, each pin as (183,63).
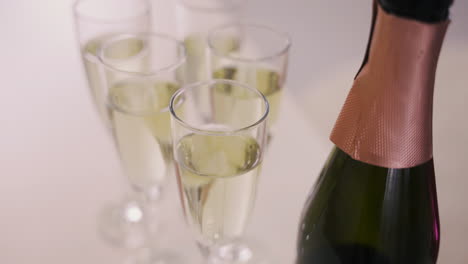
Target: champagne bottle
(375,200)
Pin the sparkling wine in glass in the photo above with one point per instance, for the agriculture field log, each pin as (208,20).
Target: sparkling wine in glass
(98,20)
(194,20)
(260,60)
(218,162)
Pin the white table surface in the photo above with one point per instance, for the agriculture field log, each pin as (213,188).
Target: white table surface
(59,168)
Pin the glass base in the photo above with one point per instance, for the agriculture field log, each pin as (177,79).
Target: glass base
(152,256)
(235,253)
(123,224)
(238,253)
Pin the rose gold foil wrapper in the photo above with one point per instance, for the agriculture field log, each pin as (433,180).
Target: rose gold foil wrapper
(387,117)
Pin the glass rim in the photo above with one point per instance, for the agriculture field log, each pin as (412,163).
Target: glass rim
(192,86)
(94,19)
(285,36)
(212,9)
(120,36)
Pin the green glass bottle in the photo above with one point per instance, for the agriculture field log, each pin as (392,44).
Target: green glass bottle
(375,200)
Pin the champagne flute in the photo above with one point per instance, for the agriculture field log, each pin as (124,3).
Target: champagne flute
(218,161)
(259,60)
(139,90)
(96,21)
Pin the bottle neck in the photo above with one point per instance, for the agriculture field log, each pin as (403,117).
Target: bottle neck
(430,11)
(387,117)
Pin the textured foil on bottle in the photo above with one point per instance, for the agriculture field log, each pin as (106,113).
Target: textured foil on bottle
(387,117)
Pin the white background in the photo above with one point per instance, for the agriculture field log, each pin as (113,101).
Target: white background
(57,163)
